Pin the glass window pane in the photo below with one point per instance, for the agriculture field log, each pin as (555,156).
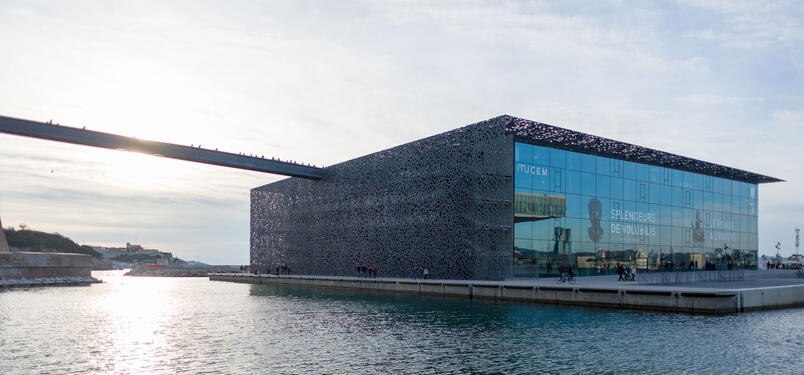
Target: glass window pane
(557,158)
(557,178)
(698,182)
(616,168)
(655,174)
(688,180)
(588,163)
(588,183)
(678,217)
(573,160)
(522,152)
(655,194)
(666,235)
(603,165)
(688,218)
(541,155)
(718,185)
(606,225)
(678,197)
(574,226)
(573,205)
(725,203)
(616,187)
(666,215)
(667,195)
(726,186)
(629,190)
(523,244)
(643,172)
(542,229)
(602,186)
(709,201)
(629,170)
(573,182)
(522,230)
(540,180)
(735,188)
(678,178)
(522,176)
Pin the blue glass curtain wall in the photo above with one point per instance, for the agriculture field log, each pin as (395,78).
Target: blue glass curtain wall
(594,212)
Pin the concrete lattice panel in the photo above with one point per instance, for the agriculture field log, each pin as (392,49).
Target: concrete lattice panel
(444,202)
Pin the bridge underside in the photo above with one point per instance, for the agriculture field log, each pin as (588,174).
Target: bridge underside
(85,137)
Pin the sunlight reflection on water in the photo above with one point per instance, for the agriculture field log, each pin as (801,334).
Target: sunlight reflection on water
(191,325)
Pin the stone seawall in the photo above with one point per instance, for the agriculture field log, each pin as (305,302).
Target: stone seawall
(32,265)
(677,299)
(47,281)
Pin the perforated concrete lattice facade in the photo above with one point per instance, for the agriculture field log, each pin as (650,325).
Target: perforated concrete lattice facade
(444,202)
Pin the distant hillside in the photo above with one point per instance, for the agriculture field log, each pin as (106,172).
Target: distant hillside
(32,240)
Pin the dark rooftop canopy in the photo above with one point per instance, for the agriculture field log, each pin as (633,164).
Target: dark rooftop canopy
(536,133)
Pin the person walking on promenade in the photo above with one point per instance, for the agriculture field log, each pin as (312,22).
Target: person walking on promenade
(620,271)
(425,273)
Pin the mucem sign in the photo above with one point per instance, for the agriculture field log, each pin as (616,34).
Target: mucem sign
(508,197)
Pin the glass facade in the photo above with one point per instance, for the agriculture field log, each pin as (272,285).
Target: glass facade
(593,212)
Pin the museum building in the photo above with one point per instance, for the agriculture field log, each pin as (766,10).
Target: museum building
(509,197)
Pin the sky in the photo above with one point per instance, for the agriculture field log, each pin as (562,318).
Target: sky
(323,82)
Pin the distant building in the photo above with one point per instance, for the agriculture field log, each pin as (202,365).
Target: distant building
(131,249)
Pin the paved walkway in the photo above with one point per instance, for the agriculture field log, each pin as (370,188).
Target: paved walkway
(753,279)
(757,291)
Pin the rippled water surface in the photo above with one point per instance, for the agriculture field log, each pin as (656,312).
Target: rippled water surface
(192,325)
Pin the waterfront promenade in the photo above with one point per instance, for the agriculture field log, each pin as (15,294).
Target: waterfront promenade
(759,290)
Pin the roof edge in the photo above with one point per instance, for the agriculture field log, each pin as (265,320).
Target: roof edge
(541,134)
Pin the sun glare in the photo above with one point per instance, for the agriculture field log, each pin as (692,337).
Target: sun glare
(146,172)
(139,316)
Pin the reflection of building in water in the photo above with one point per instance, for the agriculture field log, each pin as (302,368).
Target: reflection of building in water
(505,198)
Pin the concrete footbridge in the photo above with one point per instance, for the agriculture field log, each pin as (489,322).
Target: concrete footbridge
(81,136)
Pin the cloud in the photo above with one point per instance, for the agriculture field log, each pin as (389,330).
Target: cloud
(750,24)
(710,99)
